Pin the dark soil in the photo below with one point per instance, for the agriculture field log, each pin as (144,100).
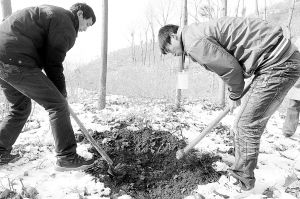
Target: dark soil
(146,167)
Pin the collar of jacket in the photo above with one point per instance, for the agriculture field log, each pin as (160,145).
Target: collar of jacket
(75,22)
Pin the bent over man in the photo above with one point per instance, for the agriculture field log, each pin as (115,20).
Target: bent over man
(235,49)
(32,40)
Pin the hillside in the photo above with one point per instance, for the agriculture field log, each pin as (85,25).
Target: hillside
(156,78)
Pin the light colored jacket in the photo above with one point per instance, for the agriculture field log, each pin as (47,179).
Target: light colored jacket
(236,48)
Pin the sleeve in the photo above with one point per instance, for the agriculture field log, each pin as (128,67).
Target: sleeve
(215,58)
(60,40)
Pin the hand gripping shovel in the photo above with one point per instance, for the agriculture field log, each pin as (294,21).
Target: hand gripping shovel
(181,152)
(92,141)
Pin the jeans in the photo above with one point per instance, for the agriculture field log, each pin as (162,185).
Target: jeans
(20,85)
(268,89)
(292,118)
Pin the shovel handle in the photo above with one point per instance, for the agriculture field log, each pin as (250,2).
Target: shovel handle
(90,138)
(180,153)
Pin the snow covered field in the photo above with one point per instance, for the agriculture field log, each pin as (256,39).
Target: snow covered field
(278,165)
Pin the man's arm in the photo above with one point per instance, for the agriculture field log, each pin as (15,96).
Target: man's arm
(60,40)
(208,52)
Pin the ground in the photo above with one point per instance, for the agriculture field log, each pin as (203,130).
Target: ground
(142,136)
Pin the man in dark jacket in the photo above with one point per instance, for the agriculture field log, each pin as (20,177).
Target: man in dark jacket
(235,49)
(32,40)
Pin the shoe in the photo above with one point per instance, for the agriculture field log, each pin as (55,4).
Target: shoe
(73,163)
(230,187)
(287,135)
(6,158)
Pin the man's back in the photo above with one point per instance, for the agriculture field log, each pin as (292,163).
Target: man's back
(248,40)
(26,34)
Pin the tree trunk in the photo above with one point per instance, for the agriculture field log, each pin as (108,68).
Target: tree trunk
(256,8)
(237,9)
(181,58)
(103,57)
(265,15)
(221,82)
(133,58)
(5,9)
(291,11)
(244,9)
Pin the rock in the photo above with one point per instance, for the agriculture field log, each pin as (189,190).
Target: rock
(105,192)
(29,192)
(5,194)
(18,196)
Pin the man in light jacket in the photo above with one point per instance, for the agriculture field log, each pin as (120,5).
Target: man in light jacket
(235,49)
(31,40)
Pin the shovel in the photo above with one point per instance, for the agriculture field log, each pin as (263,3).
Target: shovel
(93,142)
(181,152)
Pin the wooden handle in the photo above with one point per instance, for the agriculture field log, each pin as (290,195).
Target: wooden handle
(208,128)
(90,138)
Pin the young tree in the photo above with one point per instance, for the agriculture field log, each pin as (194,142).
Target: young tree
(5,8)
(237,8)
(195,12)
(244,9)
(221,82)
(265,15)
(164,11)
(184,22)
(256,8)
(103,57)
(150,16)
(291,11)
(5,12)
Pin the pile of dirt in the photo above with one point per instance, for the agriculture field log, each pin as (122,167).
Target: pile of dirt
(146,165)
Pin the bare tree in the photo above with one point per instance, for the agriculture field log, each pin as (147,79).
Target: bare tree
(237,8)
(5,12)
(265,15)
(132,46)
(207,11)
(164,11)
(181,60)
(244,9)
(103,57)
(291,11)
(146,43)
(5,8)
(256,8)
(221,82)
(150,20)
(195,12)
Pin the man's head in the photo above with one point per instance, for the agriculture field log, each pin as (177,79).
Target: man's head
(85,14)
(168,40)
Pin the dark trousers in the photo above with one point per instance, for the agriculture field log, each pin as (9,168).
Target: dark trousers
(20,85)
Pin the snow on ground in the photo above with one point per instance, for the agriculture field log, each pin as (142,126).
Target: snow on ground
(278,164)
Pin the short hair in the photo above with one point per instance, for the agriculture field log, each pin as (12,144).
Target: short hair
(86,9)
(164,36)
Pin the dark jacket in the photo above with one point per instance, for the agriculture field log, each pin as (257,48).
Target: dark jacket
(235,48)
(39,37)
